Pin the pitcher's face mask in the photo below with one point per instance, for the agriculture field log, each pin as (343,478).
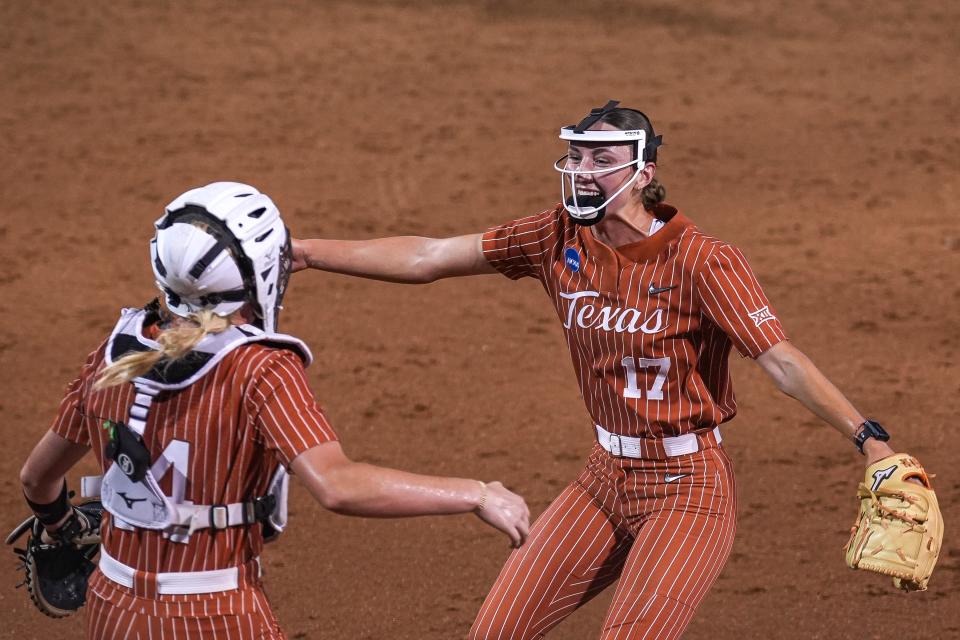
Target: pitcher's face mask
(589,209)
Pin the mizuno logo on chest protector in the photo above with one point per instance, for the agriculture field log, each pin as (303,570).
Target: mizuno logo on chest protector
(130,501)
(628,320)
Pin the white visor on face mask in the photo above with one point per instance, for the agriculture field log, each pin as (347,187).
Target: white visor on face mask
(590,209)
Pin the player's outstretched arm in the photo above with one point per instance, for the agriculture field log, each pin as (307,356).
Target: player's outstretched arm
(795,375)
(898,507)
(359,489)
(406,259)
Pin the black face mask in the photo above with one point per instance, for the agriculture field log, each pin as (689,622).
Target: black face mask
(588,201)
(648,153)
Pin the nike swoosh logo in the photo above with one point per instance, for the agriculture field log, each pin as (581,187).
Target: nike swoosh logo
(655,290)
(670,477)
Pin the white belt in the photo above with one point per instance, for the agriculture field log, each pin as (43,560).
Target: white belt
(628,447)
(183,582)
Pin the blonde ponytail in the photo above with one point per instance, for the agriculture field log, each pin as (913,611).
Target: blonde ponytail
(175,343)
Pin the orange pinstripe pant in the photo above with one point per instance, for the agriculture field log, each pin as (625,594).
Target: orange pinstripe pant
(115,612)
(665,541)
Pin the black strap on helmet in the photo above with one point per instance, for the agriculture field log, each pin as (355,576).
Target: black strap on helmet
(213,299)
(650,147)
(224,240)
(595,114)
(204,262)
(209,299)
(652,144)
(172,297)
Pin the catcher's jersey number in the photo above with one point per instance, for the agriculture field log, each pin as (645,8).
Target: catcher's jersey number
(174,459)
(655,392)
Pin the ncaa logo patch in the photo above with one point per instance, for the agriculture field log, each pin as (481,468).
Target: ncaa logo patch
(571,258)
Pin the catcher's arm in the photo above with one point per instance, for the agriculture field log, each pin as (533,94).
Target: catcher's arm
(42,475)
(356,488)
(795,375)
(62,539)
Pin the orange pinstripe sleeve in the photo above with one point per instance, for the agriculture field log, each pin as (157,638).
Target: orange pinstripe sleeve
(69,423)
(288,417)
(518,248)
(731,296)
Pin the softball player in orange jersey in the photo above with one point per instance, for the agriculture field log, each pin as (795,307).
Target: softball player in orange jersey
(651,307)
(195,407)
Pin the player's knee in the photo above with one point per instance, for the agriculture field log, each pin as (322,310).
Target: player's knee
(649,615)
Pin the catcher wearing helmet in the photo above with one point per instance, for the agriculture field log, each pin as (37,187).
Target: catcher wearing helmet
(196,408)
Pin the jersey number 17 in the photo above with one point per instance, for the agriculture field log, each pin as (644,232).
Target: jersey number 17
(655,392)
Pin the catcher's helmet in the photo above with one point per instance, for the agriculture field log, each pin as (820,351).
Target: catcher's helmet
(220,246)
(589,210)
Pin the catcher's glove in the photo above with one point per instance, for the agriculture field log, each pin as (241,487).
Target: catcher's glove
(58,565)
(899,529)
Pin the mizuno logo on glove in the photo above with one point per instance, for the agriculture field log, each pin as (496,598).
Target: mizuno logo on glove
(880,475)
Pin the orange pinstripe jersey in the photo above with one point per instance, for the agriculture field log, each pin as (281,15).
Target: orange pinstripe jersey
(649,325)
(253,411)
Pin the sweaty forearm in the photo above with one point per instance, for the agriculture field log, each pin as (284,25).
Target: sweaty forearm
(399,259)
(360,489)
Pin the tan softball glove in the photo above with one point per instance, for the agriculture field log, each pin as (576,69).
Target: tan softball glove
(899,529)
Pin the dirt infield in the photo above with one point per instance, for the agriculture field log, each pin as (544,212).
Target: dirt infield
(824,141)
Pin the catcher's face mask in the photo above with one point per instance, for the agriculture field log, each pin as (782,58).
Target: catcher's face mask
(585,206)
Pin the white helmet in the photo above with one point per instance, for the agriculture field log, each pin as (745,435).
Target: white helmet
(220,246)
(589,210)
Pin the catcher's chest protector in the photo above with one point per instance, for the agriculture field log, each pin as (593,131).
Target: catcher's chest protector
(129,490)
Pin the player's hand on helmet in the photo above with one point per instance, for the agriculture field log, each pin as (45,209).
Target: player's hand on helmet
(506,511)
(299,255)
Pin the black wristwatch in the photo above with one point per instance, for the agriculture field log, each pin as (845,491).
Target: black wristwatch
(869,429)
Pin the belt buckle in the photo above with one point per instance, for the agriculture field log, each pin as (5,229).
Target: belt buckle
(259,509)
(616,447)
(219,516)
